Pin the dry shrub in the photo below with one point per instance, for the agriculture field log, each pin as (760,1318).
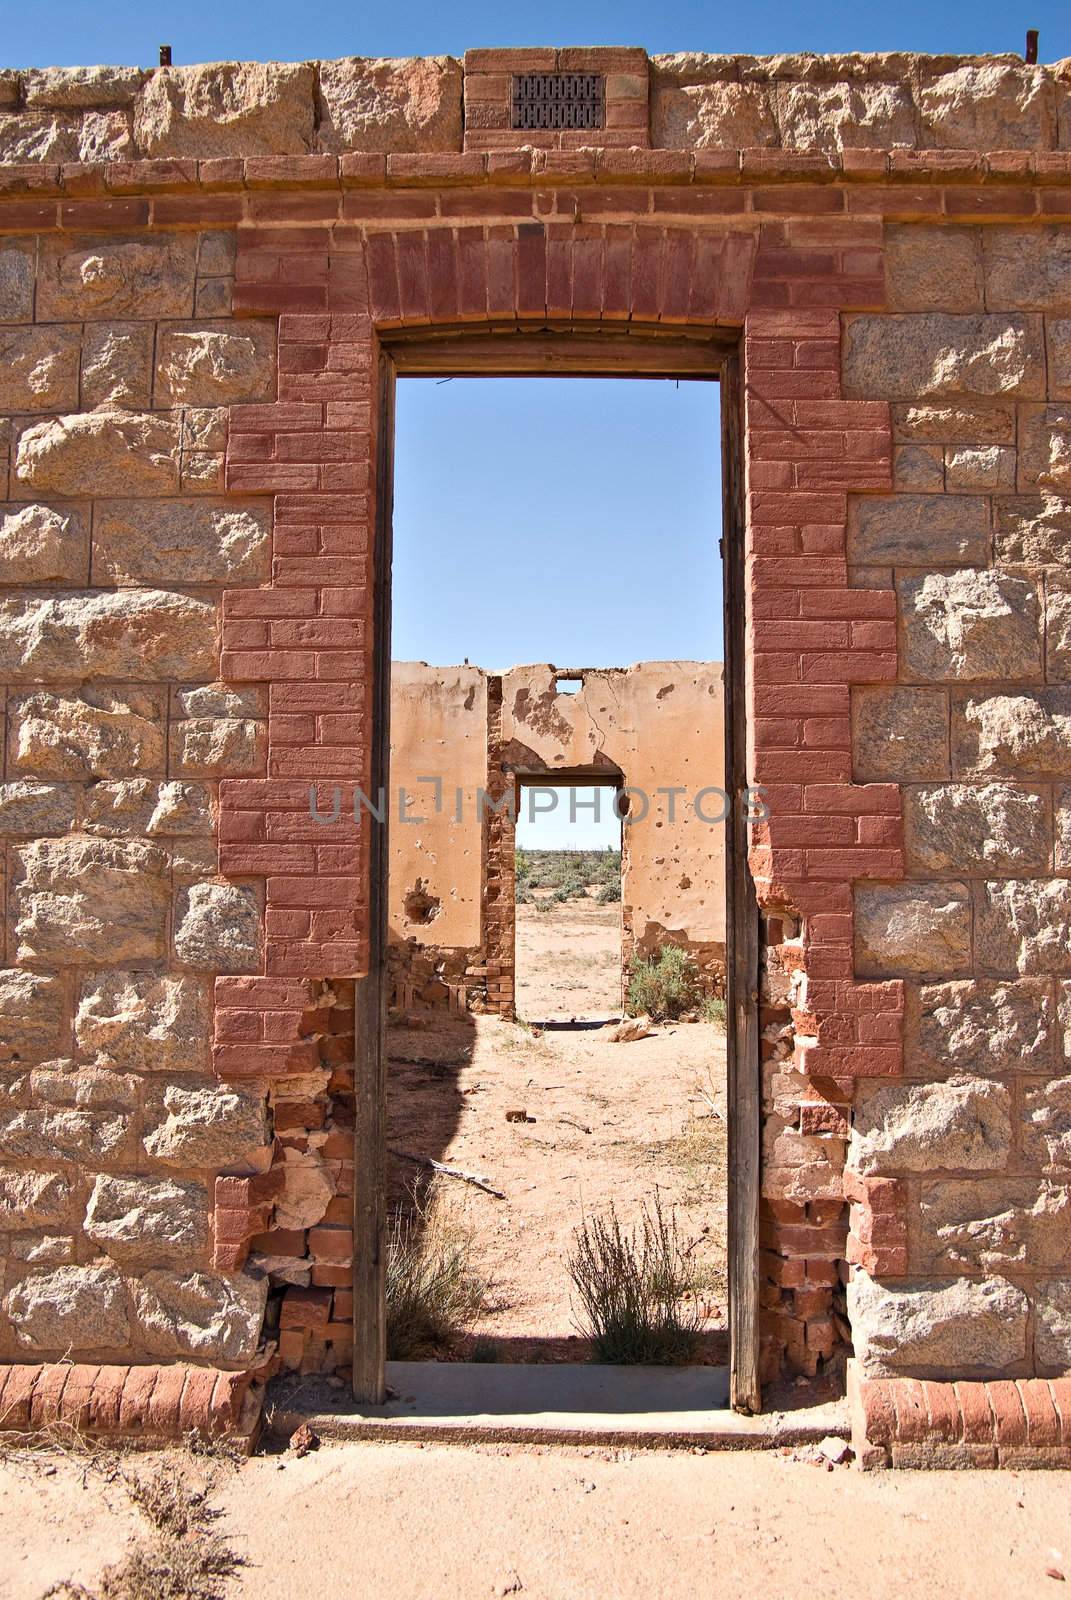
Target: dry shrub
(435,1288)
(183,1558)
(636,1289)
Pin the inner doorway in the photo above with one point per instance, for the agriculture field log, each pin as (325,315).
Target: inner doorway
(568,889)
(427,906)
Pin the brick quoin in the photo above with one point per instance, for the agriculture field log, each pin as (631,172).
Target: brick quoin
(336,287)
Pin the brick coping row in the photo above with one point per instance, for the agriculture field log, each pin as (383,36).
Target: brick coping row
(911,1422)
(595,164)
(131,1404)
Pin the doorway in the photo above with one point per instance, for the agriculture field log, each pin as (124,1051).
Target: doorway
(476,355)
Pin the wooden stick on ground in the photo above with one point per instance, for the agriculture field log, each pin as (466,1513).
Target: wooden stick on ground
(450,1172)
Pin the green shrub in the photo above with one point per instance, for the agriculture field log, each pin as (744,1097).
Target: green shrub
(636,1289)
(664,985)
(712,1009)
(610,893)
(435,1290)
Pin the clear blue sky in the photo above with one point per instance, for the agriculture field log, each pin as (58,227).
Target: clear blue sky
(67,32)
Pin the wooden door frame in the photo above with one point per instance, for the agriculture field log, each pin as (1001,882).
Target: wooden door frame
(704,354)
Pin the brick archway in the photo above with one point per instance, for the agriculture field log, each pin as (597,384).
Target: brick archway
(344,293)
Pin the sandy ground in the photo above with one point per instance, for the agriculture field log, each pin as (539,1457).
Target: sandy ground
(606,1122)
(568,961)
(418,1523)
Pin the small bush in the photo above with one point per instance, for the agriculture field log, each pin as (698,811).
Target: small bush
(712,1009)
(661,986)
(609,894)
(435,1290)
(636,1289)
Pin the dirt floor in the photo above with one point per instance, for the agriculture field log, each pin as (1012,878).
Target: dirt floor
(568,961)
(418,1523)
(600,1122)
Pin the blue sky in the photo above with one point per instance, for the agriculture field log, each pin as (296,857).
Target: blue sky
(67,32)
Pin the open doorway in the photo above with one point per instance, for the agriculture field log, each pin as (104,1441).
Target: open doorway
(567,875)
(480,736)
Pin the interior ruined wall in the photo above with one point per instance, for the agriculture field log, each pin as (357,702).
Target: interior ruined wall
(889,234)
(658,726)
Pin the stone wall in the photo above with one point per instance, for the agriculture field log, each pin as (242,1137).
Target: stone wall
(117,540)
(201,271)
(656,729)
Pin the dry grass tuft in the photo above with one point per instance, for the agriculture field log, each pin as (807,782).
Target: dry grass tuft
(636,1289)
(435,1288)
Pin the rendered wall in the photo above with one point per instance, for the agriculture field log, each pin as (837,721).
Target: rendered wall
(656,726)
(887,239)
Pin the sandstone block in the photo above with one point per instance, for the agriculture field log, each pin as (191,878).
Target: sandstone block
(81,899)
(960,827)
(952,423)
(1024,927)
(912,928)
(1052,1325)
(217,927)
(711,116)
(66,1083)
(937,1327)
(101,733)
(937,354)
(899,734)
(1046,1138)
(201,1314)
(146,634)
(37,808)
(105,276)
(33,1199)
(73,1308)
(379,103)
(207,1126)
(934,269)
(182,541)
(975,468)
(117,364)
(962,1125)
(61,88)
(31,1014)
(1045,448)
(227,108)
(44,544)
(845,115)
(1027,269)
(1059,338)
(217,746)
(99,452)
(968,625)
(144,1221)
(87,1138)
(1032,530)
(43,1250)
(1013,735)
(16,280)
(1058,628)
(145,1021)
(224,700)
(919,466)
(917,530)
(215,363)
(979,1027)
(993,1225)
(988,105)
(121,808)
(1062,814)
(76,136)
(39,368)
(181,810)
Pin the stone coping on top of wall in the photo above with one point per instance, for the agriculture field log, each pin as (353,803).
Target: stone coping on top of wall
(884,102)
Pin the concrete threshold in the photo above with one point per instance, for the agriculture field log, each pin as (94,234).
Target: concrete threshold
(556,1403)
